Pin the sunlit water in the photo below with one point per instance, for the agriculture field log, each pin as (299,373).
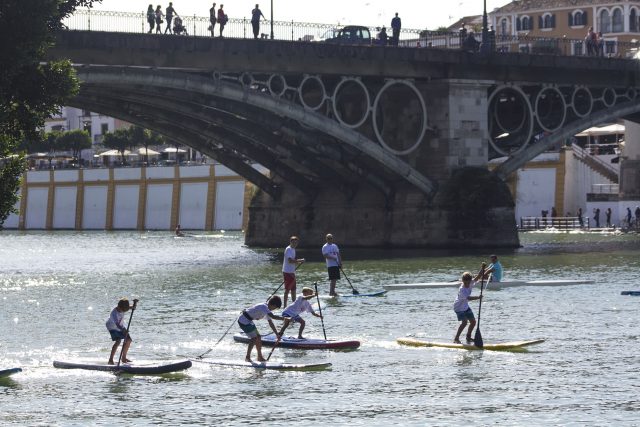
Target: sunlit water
(56,291)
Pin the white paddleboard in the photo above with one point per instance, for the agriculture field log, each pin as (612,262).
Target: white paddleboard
(505,346)
(489,286)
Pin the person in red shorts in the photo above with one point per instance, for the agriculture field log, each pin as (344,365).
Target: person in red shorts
(289,269)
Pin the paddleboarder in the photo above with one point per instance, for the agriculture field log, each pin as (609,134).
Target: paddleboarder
(289,265)
(257,312)
(300,305)
(461,305)
(179,232)
(331,254)
(118,330)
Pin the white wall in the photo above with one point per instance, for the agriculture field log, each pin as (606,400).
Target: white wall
(13,220)
(193,205)
(64,208)
(158,210)
(229,205)
(37,199)
(94,210)
(125,207)
(535,192)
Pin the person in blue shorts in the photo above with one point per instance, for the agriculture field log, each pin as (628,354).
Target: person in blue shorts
(300,305)
(258,312)
(494,269)
(118,330)
(461,305)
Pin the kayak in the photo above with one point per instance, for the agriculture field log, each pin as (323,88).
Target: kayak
(490,285)
(268,365)
(305,343)
(127,368)
(8,372)
(505,346)
(633,293)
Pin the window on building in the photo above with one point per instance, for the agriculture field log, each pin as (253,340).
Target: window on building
(578,18)
(547,21)
(617,21)
(104,128)
(609,47)
(605,21)
(503,26)
(633,20)
(57,128)
(524,24)
(86,113)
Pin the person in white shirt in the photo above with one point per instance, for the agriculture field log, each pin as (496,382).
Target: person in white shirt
(258,312)
(300,305)
(461,305)
(331,254)
(289,269)
(118,330)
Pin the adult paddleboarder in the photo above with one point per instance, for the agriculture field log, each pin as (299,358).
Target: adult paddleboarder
(331,254)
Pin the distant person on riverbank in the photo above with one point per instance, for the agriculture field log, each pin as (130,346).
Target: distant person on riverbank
(257,312)
(179,232)
(331,254)
(299,306)
(169,11)
(461,305)
(289,265)
(596,217)
(222,19)
(607,214)
(151,18)
(494,269)
(396,25)
(118,330)
(637,216)
(628,217)
(255,24)
(159,21)
(212,20)
(580,219)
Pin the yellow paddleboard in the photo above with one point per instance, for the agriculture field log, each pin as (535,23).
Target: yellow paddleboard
(505,346)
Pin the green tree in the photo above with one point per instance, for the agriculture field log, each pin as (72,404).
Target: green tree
(30,91)
(75,141)
(145,138)
(119,140)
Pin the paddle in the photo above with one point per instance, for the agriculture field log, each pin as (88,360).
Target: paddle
(354,290)
(477,339)
(135,302)
(234,322)
(320,309)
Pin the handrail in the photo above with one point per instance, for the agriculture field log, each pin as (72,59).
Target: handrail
(583,154)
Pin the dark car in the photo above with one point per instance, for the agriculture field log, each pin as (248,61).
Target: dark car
(351,34)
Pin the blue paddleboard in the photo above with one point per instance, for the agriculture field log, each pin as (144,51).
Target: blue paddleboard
(9,372)
(633,293)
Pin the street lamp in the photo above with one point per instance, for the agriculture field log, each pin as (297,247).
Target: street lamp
(271,19)
(485,47)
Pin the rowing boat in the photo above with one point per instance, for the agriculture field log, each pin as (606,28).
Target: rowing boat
(505,346)
(8,372)
(491,285)
(633,293)
(127,368)
(268,365)
(304,343)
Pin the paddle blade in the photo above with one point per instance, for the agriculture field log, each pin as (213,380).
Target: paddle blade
(355,291)
(478,339)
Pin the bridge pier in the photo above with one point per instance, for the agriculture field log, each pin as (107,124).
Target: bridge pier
(473,209)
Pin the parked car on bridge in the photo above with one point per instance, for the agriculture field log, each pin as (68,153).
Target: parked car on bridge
(350,34)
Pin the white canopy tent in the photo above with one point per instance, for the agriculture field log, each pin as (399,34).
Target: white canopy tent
(614,129)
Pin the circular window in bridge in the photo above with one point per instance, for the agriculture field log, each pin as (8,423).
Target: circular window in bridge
(510,120)
(351,102)
(582,101)
(551,109)
(312,92)
(399,117)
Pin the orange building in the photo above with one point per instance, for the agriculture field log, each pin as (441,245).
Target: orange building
(568,22)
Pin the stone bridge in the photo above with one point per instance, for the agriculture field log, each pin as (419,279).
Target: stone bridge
(382,146)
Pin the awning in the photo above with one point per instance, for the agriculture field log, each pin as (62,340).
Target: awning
(604,130)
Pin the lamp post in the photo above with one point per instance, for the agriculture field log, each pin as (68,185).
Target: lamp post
(485,46)
(271,19)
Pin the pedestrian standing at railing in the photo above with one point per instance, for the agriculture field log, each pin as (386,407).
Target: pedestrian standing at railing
(212,20)
(159,21)
(590,41)
(580,220)
(596,217)
(462,32)
(222,19)
(151,18)
(396,24)
(607,214)
(255,20)
(170,11)
(599,44)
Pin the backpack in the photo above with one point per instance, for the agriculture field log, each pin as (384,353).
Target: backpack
(226,18)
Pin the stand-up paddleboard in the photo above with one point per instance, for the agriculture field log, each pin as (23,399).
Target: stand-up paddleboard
(268,365)
(633,293)
(127,368)
(490,286)
(505,346)
(8,372)
(305,343)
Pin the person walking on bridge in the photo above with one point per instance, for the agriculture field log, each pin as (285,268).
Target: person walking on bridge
(222,19)
(396,25)
(159,21)
(255,20)
(151,18)
(212,20)
(169,11)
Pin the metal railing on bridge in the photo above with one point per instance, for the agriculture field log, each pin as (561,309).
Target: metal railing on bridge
(528,223)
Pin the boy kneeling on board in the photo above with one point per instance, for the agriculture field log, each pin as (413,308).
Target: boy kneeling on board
(117,329)
(461,305)
(293,311)
(258,312)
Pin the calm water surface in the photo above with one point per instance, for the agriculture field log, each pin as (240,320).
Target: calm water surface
(57,289)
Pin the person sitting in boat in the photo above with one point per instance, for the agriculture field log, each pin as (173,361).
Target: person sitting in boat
(494,271)
(179,232)
(118,330)
(461,305)
(258,312)
(300,305)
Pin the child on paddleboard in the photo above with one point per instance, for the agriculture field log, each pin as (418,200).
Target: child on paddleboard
(300,305)
(118,330)
(461,305)
(258,312)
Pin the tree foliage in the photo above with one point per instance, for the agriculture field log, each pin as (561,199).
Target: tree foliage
(74,141)
(30,91)
(119,140)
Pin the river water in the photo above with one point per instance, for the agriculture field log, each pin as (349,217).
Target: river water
(57,289)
